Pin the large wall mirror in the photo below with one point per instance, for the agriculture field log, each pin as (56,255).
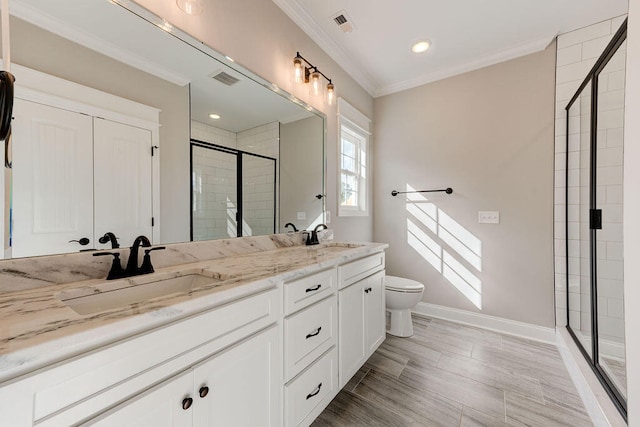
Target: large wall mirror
(125,124)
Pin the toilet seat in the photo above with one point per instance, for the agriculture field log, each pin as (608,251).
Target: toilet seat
(400,284)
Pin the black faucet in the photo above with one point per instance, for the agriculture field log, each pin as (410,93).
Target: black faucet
(295,230)
(116,271)
(109,236)
(312,239)
(132,263)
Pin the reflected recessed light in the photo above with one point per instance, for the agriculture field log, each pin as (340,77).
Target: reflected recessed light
(214,116)
(229,58)
(420,46)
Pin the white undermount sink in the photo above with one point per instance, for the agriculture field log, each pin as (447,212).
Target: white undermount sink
(122,293)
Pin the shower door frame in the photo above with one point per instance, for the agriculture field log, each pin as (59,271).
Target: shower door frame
(239,188)
(592,78)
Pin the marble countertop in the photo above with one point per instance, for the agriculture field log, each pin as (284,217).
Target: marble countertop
(37,328)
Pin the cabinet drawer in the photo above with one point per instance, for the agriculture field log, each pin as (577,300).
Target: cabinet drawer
(307,290)
(308,334)
(312,391)
(359,269)
(118,371)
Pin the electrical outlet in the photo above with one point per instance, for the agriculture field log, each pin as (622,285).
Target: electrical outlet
(489,217)
(301,216)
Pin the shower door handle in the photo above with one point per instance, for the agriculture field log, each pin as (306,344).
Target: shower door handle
(595,219)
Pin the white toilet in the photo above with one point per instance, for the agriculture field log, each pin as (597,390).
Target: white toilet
(401,296)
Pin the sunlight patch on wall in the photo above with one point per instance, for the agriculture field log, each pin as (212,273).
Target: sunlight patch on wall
(424,245)
(425,218)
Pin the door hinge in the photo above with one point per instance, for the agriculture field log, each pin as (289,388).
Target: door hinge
(153,221)
(595,219)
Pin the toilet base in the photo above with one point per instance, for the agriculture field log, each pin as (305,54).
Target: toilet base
(400,324)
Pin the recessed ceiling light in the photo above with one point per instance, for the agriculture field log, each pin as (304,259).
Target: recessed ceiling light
(214,116)
(229,58)
(420,47)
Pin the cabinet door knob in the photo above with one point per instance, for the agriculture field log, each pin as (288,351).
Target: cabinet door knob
(313,334)
(314,288)
(316,391)
(186,403)
(204,390)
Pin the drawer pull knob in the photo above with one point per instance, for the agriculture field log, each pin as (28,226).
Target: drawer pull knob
(204,390)
(367,290)
(186,403)
(313,334)
(316,391)
(315,288)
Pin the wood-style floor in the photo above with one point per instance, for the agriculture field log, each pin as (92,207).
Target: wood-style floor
(454,375)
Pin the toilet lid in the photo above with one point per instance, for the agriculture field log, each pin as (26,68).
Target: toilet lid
(401,284)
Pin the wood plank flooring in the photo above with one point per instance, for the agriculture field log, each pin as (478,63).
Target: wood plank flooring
(454,375)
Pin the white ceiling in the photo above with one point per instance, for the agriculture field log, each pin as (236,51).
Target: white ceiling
(465,34)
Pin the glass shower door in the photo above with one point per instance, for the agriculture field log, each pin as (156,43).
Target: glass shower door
(214,203)
(608,203)
(578,232)
(258,195)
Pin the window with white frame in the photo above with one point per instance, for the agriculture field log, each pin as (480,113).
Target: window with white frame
(353,128)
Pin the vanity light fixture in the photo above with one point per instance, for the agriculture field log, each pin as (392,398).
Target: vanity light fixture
(190,7)
(214,116)
(306,72)
(420,46)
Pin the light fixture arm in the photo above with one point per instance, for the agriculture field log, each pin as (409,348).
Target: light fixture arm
(310,69)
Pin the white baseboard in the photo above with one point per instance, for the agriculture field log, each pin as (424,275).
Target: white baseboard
(498,324)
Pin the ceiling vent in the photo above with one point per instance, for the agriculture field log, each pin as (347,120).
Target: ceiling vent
(224,78)
(343,22)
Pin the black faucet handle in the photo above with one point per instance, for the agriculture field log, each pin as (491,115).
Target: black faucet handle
(116,271)
(146,266)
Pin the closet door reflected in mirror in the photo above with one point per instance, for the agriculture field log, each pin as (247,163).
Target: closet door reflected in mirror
(578,233)
(608,200)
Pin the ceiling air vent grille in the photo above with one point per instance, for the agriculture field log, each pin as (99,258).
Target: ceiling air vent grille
(225,78)
(340,19)
(344,22)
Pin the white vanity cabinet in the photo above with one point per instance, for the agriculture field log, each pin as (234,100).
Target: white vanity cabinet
(238,387)
(310,338)
(361,302)
(223,349)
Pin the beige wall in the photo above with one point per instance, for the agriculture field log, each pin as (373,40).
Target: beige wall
(489,135)
(632,213)
(43,51)
(299,172)
(258,35)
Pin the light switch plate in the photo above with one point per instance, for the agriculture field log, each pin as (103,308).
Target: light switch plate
(489,217)
(301,215)
(327,217)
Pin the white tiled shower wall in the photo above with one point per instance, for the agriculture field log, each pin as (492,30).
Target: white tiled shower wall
(258,177)
(217,172)
(576,55)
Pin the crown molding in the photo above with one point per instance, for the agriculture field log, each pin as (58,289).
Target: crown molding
(309,25)
(485,61)
(35,17)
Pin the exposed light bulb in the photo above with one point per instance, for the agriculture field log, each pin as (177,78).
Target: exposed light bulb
(331,94)
(298,70)
(190,7)
(316,87)
(214,116)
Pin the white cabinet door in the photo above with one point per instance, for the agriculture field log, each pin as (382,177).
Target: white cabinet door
(243,384)
(351,313)
(123,189)
(160,406)
(374,314)
(52,179)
